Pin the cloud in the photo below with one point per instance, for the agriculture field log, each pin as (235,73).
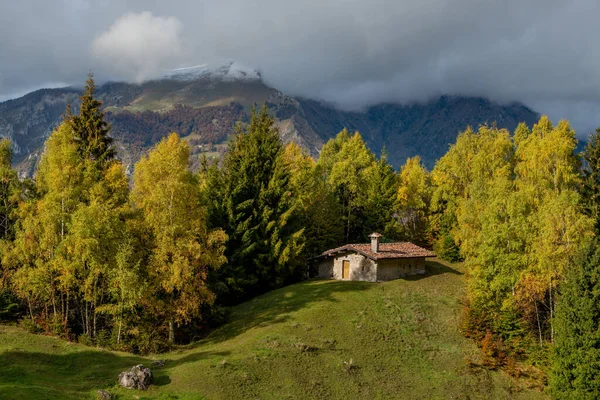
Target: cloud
(140,46)
(352,53)
(26,90)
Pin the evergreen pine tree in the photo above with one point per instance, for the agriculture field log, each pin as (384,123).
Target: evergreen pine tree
(90,128)
(379,199)
(318,207)
(576,362)
(591,180)
(9,191)
(258,212)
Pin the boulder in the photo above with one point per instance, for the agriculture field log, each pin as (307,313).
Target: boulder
(138,377)
(104,395)
(158,363)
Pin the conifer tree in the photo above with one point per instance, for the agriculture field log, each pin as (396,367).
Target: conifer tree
(90,128)
(379,199)
(259,212)
(9,191)
(591,178)
(576,360)
(319,211)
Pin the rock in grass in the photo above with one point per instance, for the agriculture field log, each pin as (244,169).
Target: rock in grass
(158,363)
(104,395)
(138,377)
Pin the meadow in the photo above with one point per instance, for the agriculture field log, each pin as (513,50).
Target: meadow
(313,340)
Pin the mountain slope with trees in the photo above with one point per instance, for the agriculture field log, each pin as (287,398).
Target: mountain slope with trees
(146,267)
(205,108)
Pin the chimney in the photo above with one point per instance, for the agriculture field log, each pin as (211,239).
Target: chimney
(375,242)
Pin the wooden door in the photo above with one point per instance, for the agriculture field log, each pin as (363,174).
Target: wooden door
(345,269)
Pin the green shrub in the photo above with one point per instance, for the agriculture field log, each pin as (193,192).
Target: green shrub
(85,340)
(55,325)
(10,307)
(30,326)
(446,248)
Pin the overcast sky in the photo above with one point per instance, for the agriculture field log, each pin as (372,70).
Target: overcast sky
(544,53)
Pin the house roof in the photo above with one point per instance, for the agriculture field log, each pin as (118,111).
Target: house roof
(386,251)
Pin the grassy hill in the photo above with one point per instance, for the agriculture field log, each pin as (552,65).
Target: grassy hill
(313,340)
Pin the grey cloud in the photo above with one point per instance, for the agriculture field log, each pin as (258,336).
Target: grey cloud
(139,46)
(352,53)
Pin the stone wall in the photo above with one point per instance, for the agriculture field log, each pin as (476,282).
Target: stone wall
(365,269)
(399,267)
(361,268)
(325,268)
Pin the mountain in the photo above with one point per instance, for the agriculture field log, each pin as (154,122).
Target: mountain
(203,105)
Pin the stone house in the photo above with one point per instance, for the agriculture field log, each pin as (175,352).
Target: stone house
(372,262)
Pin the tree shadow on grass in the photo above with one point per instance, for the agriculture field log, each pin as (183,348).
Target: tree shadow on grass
(25,374)
(192,357)
(433,268)
(29,375)
(276,307)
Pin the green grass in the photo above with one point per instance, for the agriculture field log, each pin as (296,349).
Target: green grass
(314,340)
(161,96)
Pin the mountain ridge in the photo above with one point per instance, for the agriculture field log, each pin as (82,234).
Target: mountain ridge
(206,106)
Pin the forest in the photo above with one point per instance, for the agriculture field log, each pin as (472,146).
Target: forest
(143,129)
(143,262)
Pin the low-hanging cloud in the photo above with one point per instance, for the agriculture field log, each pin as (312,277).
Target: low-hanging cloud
(352,53)
(140,46)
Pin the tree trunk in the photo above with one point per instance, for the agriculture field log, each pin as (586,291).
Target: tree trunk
(67,311)
(62,219)
(87,320)
(537,314)
(53,304)
(94,307)
(348,225)
(30,309)
(120,323)
(81,315)
(171,332)
(551,314)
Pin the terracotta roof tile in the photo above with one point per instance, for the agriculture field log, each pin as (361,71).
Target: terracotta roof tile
(386,250)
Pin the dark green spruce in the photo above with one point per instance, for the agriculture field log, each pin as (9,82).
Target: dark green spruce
(591,178)
(576,361)
(90,127)
(253,202)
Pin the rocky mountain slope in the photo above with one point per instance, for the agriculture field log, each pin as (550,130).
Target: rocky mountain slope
(204,105)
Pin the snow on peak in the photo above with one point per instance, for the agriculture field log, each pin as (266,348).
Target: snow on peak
(232,71)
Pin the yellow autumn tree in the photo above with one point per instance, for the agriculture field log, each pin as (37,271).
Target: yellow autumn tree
(414,198)
(184,251)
